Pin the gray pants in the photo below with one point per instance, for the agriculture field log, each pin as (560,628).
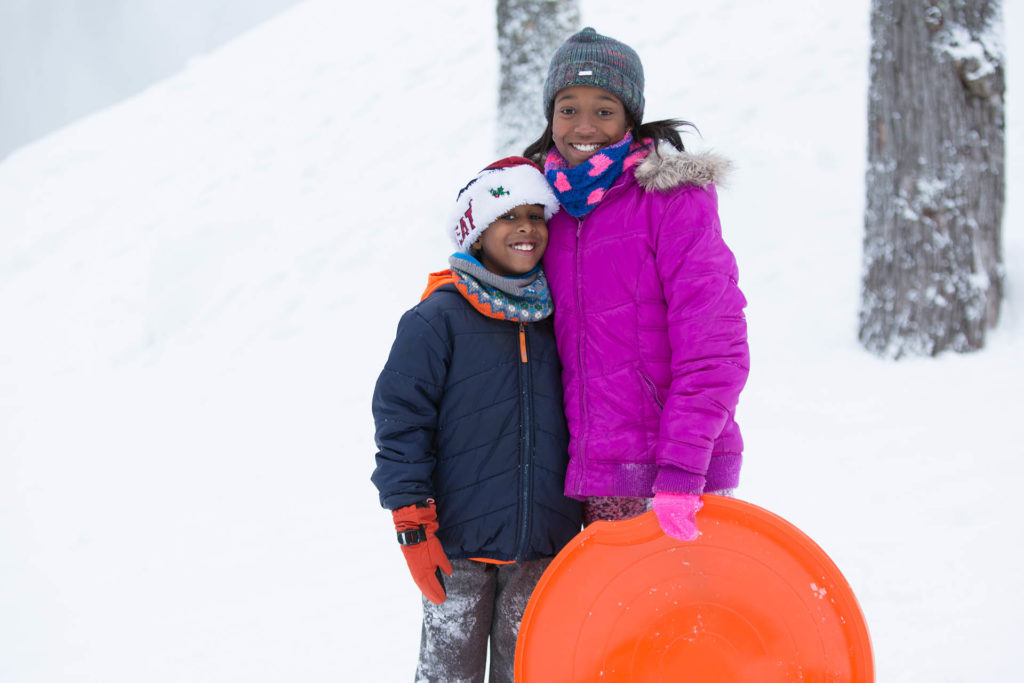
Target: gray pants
(485,601)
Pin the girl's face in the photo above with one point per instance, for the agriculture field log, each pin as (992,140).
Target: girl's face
(513,244)
(586,119)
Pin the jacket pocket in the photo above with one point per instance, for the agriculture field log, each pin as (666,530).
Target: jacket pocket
(652,389)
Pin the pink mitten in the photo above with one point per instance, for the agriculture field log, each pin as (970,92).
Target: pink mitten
(677,514)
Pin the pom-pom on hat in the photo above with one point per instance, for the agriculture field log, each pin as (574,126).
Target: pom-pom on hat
(588,58)
(496,190)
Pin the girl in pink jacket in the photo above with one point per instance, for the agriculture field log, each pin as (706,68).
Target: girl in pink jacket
(649,324)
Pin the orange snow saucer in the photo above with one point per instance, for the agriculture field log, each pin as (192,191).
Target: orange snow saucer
(752,600)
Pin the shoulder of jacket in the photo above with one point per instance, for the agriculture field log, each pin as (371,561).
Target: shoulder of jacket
(439,300)
(666,168)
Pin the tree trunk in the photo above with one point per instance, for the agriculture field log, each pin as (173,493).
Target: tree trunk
(529,32)
(933,272)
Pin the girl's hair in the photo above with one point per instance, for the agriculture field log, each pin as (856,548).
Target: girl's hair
(666,130)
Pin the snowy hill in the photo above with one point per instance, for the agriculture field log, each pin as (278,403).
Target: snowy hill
(199,285)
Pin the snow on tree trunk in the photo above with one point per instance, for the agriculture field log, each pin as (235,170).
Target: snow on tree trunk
(933,272)
(529,32)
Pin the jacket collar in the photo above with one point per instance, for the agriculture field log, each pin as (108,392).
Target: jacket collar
(437,280)
(666,168)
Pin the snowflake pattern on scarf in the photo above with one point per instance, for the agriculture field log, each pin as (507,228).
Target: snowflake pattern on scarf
(534,304)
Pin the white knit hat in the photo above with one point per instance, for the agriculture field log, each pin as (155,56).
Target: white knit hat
(496,190)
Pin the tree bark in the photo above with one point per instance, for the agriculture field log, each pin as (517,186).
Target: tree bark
(529,32)
(933,271)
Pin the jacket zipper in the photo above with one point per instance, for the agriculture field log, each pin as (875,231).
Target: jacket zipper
(525,441)
(582,441)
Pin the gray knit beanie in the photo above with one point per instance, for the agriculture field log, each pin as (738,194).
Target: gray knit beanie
(588,58)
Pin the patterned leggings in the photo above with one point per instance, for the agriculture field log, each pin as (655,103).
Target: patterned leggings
(614,509)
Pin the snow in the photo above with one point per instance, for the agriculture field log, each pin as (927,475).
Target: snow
(962,47)
(199,285)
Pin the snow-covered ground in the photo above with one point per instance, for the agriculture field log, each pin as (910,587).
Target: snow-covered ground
(199,285)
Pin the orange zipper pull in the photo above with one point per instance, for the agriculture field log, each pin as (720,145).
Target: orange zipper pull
(522,342)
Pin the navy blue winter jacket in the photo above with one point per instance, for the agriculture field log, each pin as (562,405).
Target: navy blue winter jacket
(464,418)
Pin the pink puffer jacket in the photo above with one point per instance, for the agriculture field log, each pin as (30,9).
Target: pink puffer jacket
(651,333)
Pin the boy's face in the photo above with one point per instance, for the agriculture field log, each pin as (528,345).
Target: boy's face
(513,244)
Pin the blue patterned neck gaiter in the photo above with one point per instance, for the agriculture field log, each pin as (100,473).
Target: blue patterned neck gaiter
(580,189)
(524,299)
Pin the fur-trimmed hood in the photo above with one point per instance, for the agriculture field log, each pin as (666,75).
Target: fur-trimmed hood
(666,167)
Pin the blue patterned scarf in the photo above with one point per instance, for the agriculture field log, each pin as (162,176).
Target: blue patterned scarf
(524,299)
(580,189)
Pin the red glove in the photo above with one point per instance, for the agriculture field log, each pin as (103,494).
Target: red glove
(416,526)
(677,514)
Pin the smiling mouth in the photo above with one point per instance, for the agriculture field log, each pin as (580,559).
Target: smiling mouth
(586,149)
(524,247)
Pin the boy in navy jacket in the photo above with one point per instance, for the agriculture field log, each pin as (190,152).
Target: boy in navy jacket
(471,434)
